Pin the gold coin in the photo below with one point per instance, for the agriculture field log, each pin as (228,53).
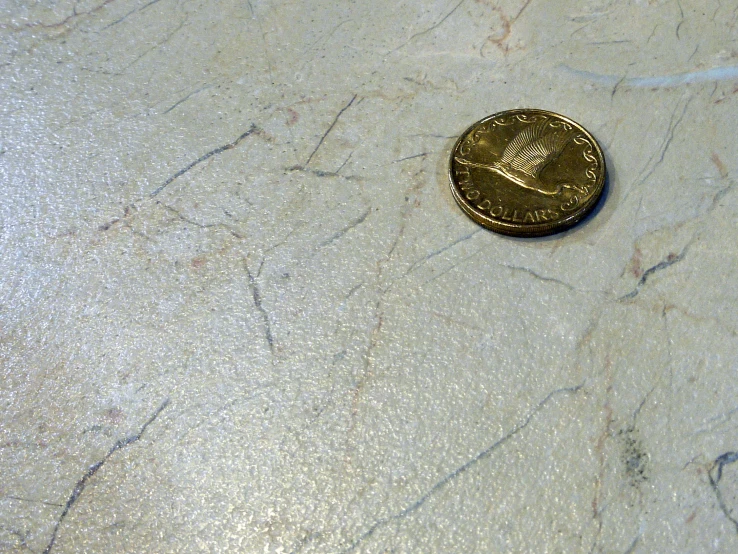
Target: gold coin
(527,173)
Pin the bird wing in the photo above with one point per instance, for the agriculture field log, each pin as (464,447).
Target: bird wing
(525,137)
(537,148)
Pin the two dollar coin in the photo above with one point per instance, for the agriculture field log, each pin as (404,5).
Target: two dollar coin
(527,173)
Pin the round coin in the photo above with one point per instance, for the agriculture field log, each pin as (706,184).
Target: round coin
(527,173)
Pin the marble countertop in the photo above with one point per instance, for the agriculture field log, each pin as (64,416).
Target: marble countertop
(241,312)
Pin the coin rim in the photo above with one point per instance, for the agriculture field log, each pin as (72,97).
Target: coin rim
(541,229)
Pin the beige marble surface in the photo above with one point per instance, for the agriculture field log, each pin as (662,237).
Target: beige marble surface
(240,311)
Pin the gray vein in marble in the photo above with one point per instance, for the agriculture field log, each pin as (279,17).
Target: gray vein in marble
(455,265)
(185,219)
(258,391)
(33,501)
(715,475)
(155,47)
(322,173)
(22,536)
(338,171)
(459,471)
(633,545)
(135,10)
(185,98)
(322,39)
(82,483)
(669,261)
(717,421)
(651,166)
(546,279)
(435,253)
(681,20)
(71,17)
(256,293)
(253,129)
(421,155)
(431,28)
(338,234)
(330,128)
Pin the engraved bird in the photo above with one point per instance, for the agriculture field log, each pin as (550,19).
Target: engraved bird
(525,157)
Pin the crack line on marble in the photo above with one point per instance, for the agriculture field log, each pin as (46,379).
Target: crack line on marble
(335,120)
(719,195)
(440,251)
(450,320)
(720,462)
(696,49)
(61,23)
(181,217)
(540,277)
(721,419)
(669,362)
(460,470)
(285,240)
(303,542)
(258,391)
(93,469)
(637,411)
(714,89)
(670,260)
(646,172)
(615,88)
(653,32)
(520,12)
(633,545)
(353,289)
(33,501)
(406,212)
(580,28)
(338,234)
(150,50)
(714,15)
(193,93)
(323,173)
(338,171)
(22,537)
(253,129)
(431,28)
(604,42)
(421,155)
(361,380)
(256,294)
(264,44)
(323,38)
(455,265)
(136,10)
(551,279)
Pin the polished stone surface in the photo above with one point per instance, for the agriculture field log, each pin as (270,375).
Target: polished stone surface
(240,310)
